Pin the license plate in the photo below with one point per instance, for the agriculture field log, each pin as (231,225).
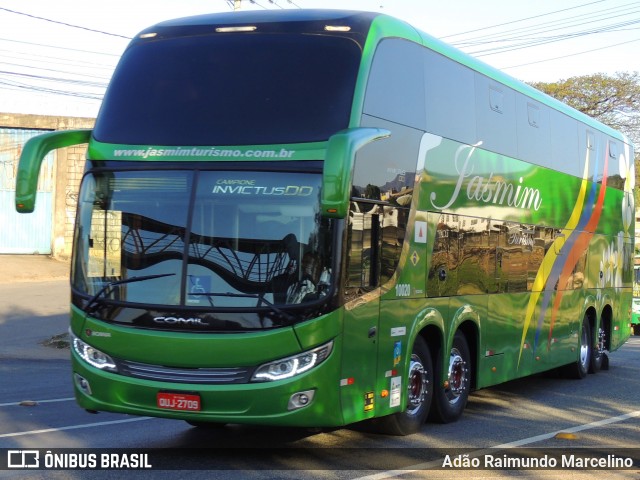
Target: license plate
(178,401)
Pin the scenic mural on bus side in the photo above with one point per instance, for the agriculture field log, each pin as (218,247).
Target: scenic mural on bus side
(507,226)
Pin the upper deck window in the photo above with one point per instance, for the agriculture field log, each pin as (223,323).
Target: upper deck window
(230,89)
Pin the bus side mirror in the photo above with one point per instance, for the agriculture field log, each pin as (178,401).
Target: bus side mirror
(31,158)
(337,170)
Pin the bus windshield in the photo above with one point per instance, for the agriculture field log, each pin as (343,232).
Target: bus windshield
(224,241)
(230,89)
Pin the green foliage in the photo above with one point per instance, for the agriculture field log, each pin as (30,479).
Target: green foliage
(372,192)
(613,100)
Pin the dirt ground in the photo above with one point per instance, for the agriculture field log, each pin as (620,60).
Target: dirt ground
(32,268)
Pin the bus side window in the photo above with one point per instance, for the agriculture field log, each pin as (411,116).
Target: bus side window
(498,240)
(519,254)
(363,268)
(537,244)
(394,225)
(443,272)
(476,257)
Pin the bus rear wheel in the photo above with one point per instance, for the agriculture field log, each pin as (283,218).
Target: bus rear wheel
(598,352)
(452,392)
(419,395)
(580,368)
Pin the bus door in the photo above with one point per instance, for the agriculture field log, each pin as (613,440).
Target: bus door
(361,313)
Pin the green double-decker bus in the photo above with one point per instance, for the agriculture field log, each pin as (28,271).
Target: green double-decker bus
(317,217)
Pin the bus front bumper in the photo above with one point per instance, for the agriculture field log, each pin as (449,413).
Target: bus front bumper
(311,399)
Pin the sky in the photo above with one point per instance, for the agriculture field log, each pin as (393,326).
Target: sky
(57,56)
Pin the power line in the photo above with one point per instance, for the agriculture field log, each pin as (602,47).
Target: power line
(525,36)
(526,33)
(54,70)
(530,36)
(534,42)
(232,4)
(261,6)
(63,23)
(571,55)
(40,59)
(60,48)
(22,87)
(560,24)
(521,20)
(84,83)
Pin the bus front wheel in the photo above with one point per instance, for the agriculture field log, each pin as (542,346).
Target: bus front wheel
(452,392)
(419,395)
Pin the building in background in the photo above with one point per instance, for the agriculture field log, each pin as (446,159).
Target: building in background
(49,231)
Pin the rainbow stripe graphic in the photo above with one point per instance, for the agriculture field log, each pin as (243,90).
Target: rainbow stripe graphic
(560,260)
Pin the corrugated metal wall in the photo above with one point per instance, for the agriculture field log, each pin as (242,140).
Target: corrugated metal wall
(24,233)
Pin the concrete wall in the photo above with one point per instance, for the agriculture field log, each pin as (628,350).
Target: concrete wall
(68,172)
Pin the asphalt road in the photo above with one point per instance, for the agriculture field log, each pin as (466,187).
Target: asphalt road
(600,414)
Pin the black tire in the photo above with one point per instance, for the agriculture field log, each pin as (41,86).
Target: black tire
(597,352)
(419,395)
(580,368)
(206,425)
(451,400)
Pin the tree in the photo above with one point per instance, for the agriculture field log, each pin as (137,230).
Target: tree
(612,100)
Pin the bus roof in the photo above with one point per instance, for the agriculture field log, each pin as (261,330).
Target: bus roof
(381,26)
(272,16)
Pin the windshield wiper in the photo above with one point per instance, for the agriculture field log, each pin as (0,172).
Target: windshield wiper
(260,297)
(93,300)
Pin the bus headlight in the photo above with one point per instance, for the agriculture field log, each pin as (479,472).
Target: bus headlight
(93,356)
(291,366)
